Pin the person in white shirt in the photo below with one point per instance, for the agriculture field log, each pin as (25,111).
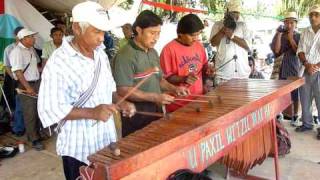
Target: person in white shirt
(9,86)
(56,34)
(79,66)
(232,46)
(24,59)
(309,55)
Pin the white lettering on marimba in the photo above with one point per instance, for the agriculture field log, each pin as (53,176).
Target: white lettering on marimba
(209,147)
(192,158)
(214,143)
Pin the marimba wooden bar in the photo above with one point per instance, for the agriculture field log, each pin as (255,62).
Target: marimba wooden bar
(239,128)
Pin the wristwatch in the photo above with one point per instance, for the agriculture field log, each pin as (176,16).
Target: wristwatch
(304,62)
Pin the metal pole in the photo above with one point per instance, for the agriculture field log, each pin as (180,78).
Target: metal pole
(5,99)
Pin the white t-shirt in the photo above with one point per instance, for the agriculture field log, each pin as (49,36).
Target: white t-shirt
(20,57)
(226,50)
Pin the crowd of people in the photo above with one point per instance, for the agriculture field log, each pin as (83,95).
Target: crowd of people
(75,85)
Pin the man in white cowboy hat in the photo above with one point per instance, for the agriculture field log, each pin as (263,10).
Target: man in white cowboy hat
(24,59)
(285,44)
(78,91)
(309,54)
(232,46)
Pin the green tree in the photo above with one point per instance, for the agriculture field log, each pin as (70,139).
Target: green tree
(300,6)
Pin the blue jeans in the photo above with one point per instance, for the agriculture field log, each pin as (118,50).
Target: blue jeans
(18,121)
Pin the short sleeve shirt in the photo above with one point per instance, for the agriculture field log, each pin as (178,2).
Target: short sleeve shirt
(132,60)
(48,49)
(181,60)
(21,57)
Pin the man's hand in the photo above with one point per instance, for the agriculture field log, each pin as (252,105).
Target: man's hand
(311,68)
(210,71)
(128,109)
(31,92)
(228,32)
(104,111)
(191,79)
(290,34)
(182,91)
(164,99)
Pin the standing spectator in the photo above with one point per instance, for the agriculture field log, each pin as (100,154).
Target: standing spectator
(128,34)
(255,74)
(285,44)
(9,86)
(24,59)
(309,55)
(231,37)
(61,25)
(56,34)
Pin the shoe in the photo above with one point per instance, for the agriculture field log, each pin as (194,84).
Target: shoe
(8,151)
(318,135)
(315,119)
(303,129)
(279,117)
(294,121)
(37,145)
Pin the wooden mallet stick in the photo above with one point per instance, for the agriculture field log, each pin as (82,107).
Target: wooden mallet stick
(144,76)
(24,92)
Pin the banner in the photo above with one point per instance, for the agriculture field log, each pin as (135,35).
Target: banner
(173,8)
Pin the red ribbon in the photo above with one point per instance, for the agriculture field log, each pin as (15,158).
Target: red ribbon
(172,8)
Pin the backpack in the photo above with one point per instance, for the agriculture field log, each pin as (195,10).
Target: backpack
(186,174)
(283,140)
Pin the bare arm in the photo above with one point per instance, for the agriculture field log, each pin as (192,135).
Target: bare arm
(166,86)
(241,42)
(302,57)
(292,42)
(277,45)
(137,95)
(8,71)
(24,82)
(215,40)
(175,79)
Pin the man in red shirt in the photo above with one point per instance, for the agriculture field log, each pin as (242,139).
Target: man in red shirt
(183,60)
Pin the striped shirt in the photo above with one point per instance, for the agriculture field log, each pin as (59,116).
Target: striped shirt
(227,49)
(20,57)
(309,44)
(65,77)
(290,63)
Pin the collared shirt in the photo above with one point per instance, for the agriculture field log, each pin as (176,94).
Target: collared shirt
(65,77)
(20,57)
(6,54)
(48,49)
(226,50)
(308,38)
(131,60)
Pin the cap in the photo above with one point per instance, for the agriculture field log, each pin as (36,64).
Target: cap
(92,13)
(291,15)
(25,32)
(315,8)
(234,6)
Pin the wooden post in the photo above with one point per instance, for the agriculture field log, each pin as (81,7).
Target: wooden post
(275,142)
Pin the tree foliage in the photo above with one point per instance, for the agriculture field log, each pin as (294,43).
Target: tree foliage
(300,6)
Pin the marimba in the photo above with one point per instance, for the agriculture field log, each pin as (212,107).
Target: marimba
(238,128)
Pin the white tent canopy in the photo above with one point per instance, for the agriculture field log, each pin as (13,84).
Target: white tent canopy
(30,18)
(66,5)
